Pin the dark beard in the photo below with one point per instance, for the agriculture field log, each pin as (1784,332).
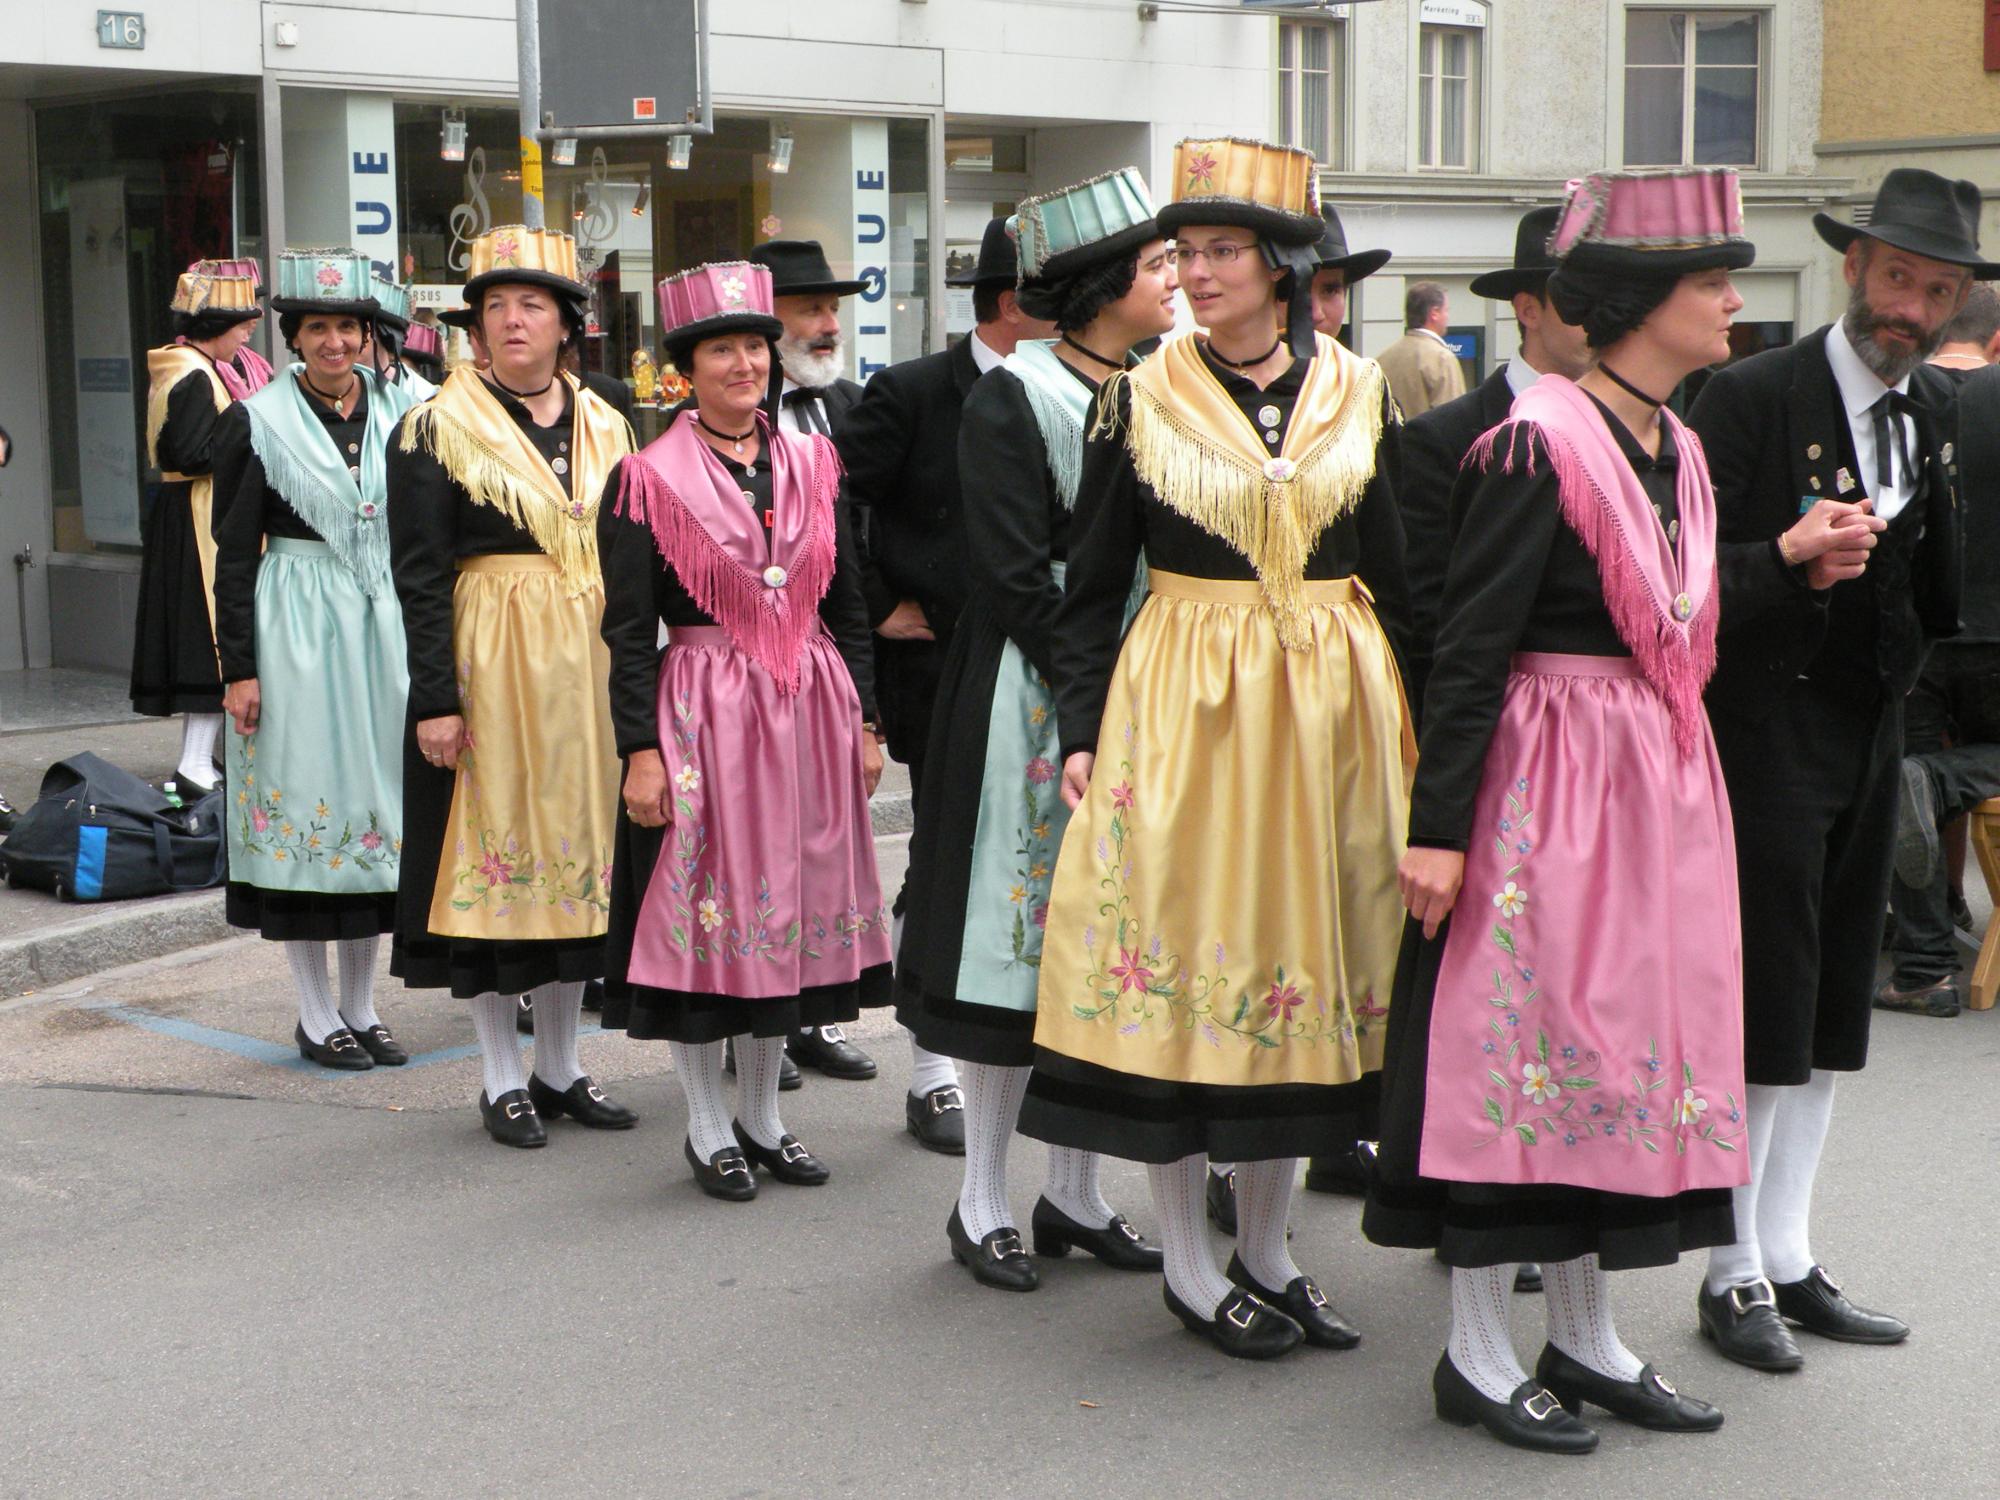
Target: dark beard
(1861,322)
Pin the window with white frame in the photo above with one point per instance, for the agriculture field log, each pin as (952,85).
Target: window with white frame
(1693,87)
(1448,98)
(1312,74)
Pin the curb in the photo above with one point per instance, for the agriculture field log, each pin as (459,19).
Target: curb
(129,932)
(107,937)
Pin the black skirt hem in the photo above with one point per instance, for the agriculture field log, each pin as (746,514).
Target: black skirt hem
(471,967)
(1494,1224)
(696,1019)
(308,916)
(171,702)
(984,1034)
(1089,1108)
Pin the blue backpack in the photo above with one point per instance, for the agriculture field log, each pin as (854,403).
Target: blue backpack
(99,833)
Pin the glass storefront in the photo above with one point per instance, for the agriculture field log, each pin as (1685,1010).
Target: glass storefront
(129,192)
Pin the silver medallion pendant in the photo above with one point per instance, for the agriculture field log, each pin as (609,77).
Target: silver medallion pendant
(1267,416)
(560,465)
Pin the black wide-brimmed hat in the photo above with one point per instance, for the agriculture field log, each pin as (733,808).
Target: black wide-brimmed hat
(1922,213)
(799,269)
(999,258)
(1331,252)
(464,319)
(1532,261)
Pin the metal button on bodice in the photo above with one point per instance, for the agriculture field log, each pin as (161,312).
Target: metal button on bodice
(1271,438)
(353,447)
(775,576)
(1683,607)
(1267,416)
(560,465)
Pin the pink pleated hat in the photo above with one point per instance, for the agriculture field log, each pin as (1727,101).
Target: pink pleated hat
(1676,221)
(720,297)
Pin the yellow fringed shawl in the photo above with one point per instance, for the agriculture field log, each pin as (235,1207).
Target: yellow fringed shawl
(168,367)
(467,430)
(1200,454)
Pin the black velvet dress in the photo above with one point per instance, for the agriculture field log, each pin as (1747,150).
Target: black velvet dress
(1520,580)
(173,649)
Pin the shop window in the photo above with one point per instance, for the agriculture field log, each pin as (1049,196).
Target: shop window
(1693,81)
(1312,86)
(1448,97)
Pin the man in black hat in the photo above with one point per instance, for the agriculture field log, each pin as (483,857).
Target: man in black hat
(1335,270)
(1850,425)
(1435,442)
(899,444)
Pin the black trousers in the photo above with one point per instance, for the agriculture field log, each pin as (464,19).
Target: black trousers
(1812,790)
(1958,697)
(907,674)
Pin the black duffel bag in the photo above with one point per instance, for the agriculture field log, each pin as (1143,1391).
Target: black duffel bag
(99,833)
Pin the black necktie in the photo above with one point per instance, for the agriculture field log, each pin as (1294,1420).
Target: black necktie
(806,403)
(1892,434)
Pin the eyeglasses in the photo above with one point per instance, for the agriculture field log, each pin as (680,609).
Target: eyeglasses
(1218,256)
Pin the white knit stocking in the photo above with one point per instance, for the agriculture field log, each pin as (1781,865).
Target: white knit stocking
(499,1044)
(1263,1206)
(558,1008)
(992,1107)
(318,1015)
(1579,1308)
(1178,1198)
(1480,1344)
(758,1060)
(197,762)
(699,1068)
(1073,1185)
(357,982)
(1784,1204)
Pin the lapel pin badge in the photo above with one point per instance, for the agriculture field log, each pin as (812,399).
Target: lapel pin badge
(1843,481)
(1812,450)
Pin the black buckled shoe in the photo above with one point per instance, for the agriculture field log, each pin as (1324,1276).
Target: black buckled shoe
(1650,1400)
(341,1050)
(511,1119)
(1530,1418)
(1117,1244)
(1743,1324)
(383,1049)
(788,1161)
(1817,1304)
(524,1016)
(1304,1303)
(1345,1173)
(725,1175)
(828,1049)
(937,1120)
(789,1076)
(1244,1326)
(583,1101)
(1222,1201)
(997,1260)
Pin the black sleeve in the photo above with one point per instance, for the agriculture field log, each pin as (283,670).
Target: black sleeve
(1752,577)
(634,576)
(1424,497)
(237,520)
(1105,539)
(1379,523)
(423,555)
(845,609)
(1007,492)
(187,438)
(874,437)
(1937,576)
(1508,524)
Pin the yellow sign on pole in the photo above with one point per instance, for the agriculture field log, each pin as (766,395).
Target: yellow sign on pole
(531,170)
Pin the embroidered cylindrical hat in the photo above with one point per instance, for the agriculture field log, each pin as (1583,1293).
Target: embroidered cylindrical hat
(225,288)
(1271,189)
(1669,222)
(336,280)
(513,253)
(716,298)
(1093,221)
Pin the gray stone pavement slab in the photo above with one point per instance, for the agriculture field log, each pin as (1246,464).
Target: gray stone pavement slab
(293,1284)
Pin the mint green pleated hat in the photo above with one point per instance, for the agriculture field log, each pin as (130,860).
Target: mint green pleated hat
(1077,227)
(325,281)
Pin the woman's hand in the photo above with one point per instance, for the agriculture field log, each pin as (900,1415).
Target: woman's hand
(244,702)
(1832,541)
(646,789)
(906,622)
(1429,880)
(871,761)
(441,739)
(1076,777)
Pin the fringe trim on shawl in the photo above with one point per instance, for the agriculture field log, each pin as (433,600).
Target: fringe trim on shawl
(1274,525)
(566,532)
(362,545)
(768,625)
(1677,661)
(1062,437)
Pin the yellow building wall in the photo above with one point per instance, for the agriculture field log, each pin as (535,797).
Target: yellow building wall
(1906,70)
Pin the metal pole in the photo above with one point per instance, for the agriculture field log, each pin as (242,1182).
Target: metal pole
(527,26)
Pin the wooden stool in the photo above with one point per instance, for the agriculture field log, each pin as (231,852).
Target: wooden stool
(1983,830)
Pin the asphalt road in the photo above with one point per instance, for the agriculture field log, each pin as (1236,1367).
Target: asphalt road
(298,1284)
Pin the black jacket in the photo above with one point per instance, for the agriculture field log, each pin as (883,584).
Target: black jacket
(1777,438)
(1978,459)
(1434,445)
(899,443)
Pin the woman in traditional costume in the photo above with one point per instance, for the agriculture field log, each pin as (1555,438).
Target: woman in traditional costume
(1565,1077)
(983,858)
(313,657)
(510,776)
(1222,929)
(208,365)
(401,352)
(745,901)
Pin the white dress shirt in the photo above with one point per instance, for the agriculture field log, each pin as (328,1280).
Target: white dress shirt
(982,353)
(1860,388)
(1521,374)
(790,418)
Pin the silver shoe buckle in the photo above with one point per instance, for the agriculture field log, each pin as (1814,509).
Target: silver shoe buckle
(1664,1384)
(1242,1310)
(519,1109)
(733,1165)
(1548,1406)
(1007,1245)
(947,1098)
(792,1151)
(1315,1296)
(1754,1294)
(1124,1227)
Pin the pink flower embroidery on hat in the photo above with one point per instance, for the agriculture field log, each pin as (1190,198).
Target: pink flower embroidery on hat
(506,249)
(1201,172)
(329,276)
(732,290)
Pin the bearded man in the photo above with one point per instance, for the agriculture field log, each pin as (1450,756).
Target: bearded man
(1851,428)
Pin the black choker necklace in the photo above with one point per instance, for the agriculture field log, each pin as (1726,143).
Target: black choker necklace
(1245,364)
(1627,387)
(327,396)
(739,439)
(520,395)
(1109,364)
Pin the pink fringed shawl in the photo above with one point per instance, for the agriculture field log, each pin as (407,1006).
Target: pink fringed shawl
(243,376)
(1663,604)
(709,534)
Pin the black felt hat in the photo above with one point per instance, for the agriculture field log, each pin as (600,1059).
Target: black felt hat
(799,269)
(1922,213)
(999,259)
(1532,261)
(1331,252)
